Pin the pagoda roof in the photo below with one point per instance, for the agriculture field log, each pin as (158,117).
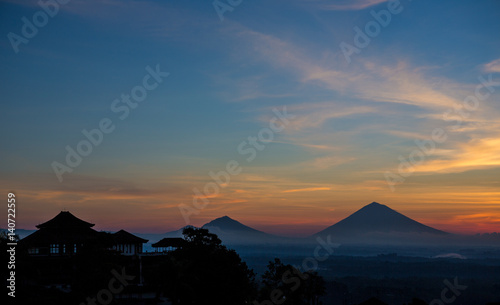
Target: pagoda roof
(65,220)
(124,237)
(56,236)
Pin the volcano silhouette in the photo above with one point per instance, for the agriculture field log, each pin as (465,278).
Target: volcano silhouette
(232,231)
(377,218)
(227,224)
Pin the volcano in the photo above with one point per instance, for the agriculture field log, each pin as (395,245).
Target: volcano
(232,231)
(377,218)
(227,224)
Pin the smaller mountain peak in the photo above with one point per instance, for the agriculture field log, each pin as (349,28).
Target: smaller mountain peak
(223,218)
(375,203)
(225,223)
(221,221)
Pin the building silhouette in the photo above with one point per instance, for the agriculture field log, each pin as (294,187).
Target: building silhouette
(169,244)
(66,234)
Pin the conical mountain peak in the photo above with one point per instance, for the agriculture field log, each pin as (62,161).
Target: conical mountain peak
(375,205)
(234,232)
(377,218)
(228,224)
(223,221)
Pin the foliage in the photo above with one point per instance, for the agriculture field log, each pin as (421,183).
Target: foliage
(205,272)
(286,284)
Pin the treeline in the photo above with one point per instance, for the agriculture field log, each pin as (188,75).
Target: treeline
(203,271)
(206,272)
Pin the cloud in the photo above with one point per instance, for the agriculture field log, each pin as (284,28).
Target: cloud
(349,5)
(492,67)
(329,161)
(309,189)
(91,188)
(477,222)
(408,134)
(314,115)
(150,18)
(311,146)
(481,153)
(369,79)
(370,83)
(480,217)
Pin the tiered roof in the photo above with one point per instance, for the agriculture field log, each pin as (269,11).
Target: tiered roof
(65,220)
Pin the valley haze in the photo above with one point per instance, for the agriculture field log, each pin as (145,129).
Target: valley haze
(373,229)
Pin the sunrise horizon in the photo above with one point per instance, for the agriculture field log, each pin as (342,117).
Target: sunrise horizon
(304,228)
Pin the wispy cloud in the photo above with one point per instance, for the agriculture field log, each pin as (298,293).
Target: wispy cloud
(370,80)
(476,154)
(313,115)
(398,83)
(309,189)
(155,19)
(492,67)
(347,5)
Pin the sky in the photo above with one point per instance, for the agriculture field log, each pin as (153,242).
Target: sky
(287,116)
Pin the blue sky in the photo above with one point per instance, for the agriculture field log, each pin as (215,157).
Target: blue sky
(352,120)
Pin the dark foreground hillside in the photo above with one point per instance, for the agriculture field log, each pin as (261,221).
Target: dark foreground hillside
(397,280)
(205,271)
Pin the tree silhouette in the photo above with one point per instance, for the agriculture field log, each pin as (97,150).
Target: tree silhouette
(285,283)
(204,271)
(314,287)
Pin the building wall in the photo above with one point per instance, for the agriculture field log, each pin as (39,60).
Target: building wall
(128,249)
